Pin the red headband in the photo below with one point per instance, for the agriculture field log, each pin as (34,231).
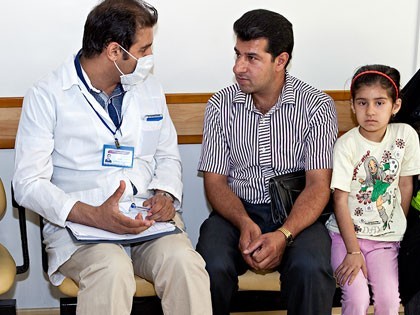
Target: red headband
(375,72)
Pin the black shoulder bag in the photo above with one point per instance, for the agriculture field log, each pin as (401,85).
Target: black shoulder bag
(284,190)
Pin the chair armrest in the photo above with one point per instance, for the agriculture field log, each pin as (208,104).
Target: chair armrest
(23,235)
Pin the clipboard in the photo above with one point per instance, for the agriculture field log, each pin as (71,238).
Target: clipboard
(90,235)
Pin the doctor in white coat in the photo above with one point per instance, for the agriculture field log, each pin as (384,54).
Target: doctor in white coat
(104,103)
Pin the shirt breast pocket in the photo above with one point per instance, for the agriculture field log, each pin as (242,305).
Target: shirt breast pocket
(149,141)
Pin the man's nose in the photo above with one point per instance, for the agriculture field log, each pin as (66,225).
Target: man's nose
(240,65)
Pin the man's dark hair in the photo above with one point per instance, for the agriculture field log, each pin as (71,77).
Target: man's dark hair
(266,24)
(116,21)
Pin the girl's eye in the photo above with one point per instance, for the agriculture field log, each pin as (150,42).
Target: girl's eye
(379,103)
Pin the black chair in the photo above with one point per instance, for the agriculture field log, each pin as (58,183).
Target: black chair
(8,267)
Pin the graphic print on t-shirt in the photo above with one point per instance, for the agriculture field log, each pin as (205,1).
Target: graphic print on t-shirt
(375,176)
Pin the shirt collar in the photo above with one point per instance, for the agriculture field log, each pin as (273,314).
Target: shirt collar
(288,92)
(82,74)
(69,75)
(77,75)
(287,96)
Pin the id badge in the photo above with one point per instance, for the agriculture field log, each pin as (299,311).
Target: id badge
(117,157)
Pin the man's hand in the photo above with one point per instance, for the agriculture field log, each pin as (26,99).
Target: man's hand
(161,208)
(267,251)
(249,232)
(108,216)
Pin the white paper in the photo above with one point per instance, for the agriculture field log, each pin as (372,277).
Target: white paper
(86,233)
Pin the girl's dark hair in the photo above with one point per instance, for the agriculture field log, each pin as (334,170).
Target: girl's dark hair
(266,24)
(116,21)
(387,77)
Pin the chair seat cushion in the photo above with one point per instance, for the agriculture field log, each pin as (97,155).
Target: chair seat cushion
(259,281)
(251,280)
(143,287)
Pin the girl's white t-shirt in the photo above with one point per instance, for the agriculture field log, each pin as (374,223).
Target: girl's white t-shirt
(369,171)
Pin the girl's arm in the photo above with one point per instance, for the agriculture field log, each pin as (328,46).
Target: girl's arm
(353,261)
(406,188)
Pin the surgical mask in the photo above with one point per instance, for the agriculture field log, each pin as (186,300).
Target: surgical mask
(140,73)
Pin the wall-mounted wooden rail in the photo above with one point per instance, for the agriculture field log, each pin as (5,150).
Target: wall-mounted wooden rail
(186,110)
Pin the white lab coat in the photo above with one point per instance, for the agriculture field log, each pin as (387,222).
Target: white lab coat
(59,147)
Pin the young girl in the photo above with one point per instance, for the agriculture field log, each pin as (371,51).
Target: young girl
(372,182)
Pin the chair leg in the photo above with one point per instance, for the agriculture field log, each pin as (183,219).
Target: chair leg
(257,301)
(8,307)
(149,305)
(68,306)
(141,305)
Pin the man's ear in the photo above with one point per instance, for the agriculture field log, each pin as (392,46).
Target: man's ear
(397,106)
(281,60)
(112,51)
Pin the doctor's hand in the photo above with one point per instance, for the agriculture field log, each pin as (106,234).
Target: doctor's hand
(161,207)
(108,216)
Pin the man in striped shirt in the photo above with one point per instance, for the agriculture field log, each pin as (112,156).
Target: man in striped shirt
(267,124)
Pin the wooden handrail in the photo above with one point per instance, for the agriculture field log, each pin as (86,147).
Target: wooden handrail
(186,110)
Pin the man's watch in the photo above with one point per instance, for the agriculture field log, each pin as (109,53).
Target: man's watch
(287,234)
(166,194)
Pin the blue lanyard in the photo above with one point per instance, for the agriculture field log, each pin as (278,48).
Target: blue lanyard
(81,77)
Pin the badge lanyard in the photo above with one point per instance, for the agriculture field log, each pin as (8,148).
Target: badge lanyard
(81,77)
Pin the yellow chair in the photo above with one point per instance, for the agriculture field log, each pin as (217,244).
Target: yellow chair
(7,263)
(145,299)
(8,268)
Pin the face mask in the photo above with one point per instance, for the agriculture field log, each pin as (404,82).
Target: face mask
(140,73)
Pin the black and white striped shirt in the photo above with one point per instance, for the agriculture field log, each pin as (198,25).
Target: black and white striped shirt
(239,141)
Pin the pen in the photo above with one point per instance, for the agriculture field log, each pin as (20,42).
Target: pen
(134,206)
(156,117)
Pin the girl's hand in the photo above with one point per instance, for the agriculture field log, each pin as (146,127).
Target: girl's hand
(349,269)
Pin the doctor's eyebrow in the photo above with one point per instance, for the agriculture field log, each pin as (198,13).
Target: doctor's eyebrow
(146,47)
